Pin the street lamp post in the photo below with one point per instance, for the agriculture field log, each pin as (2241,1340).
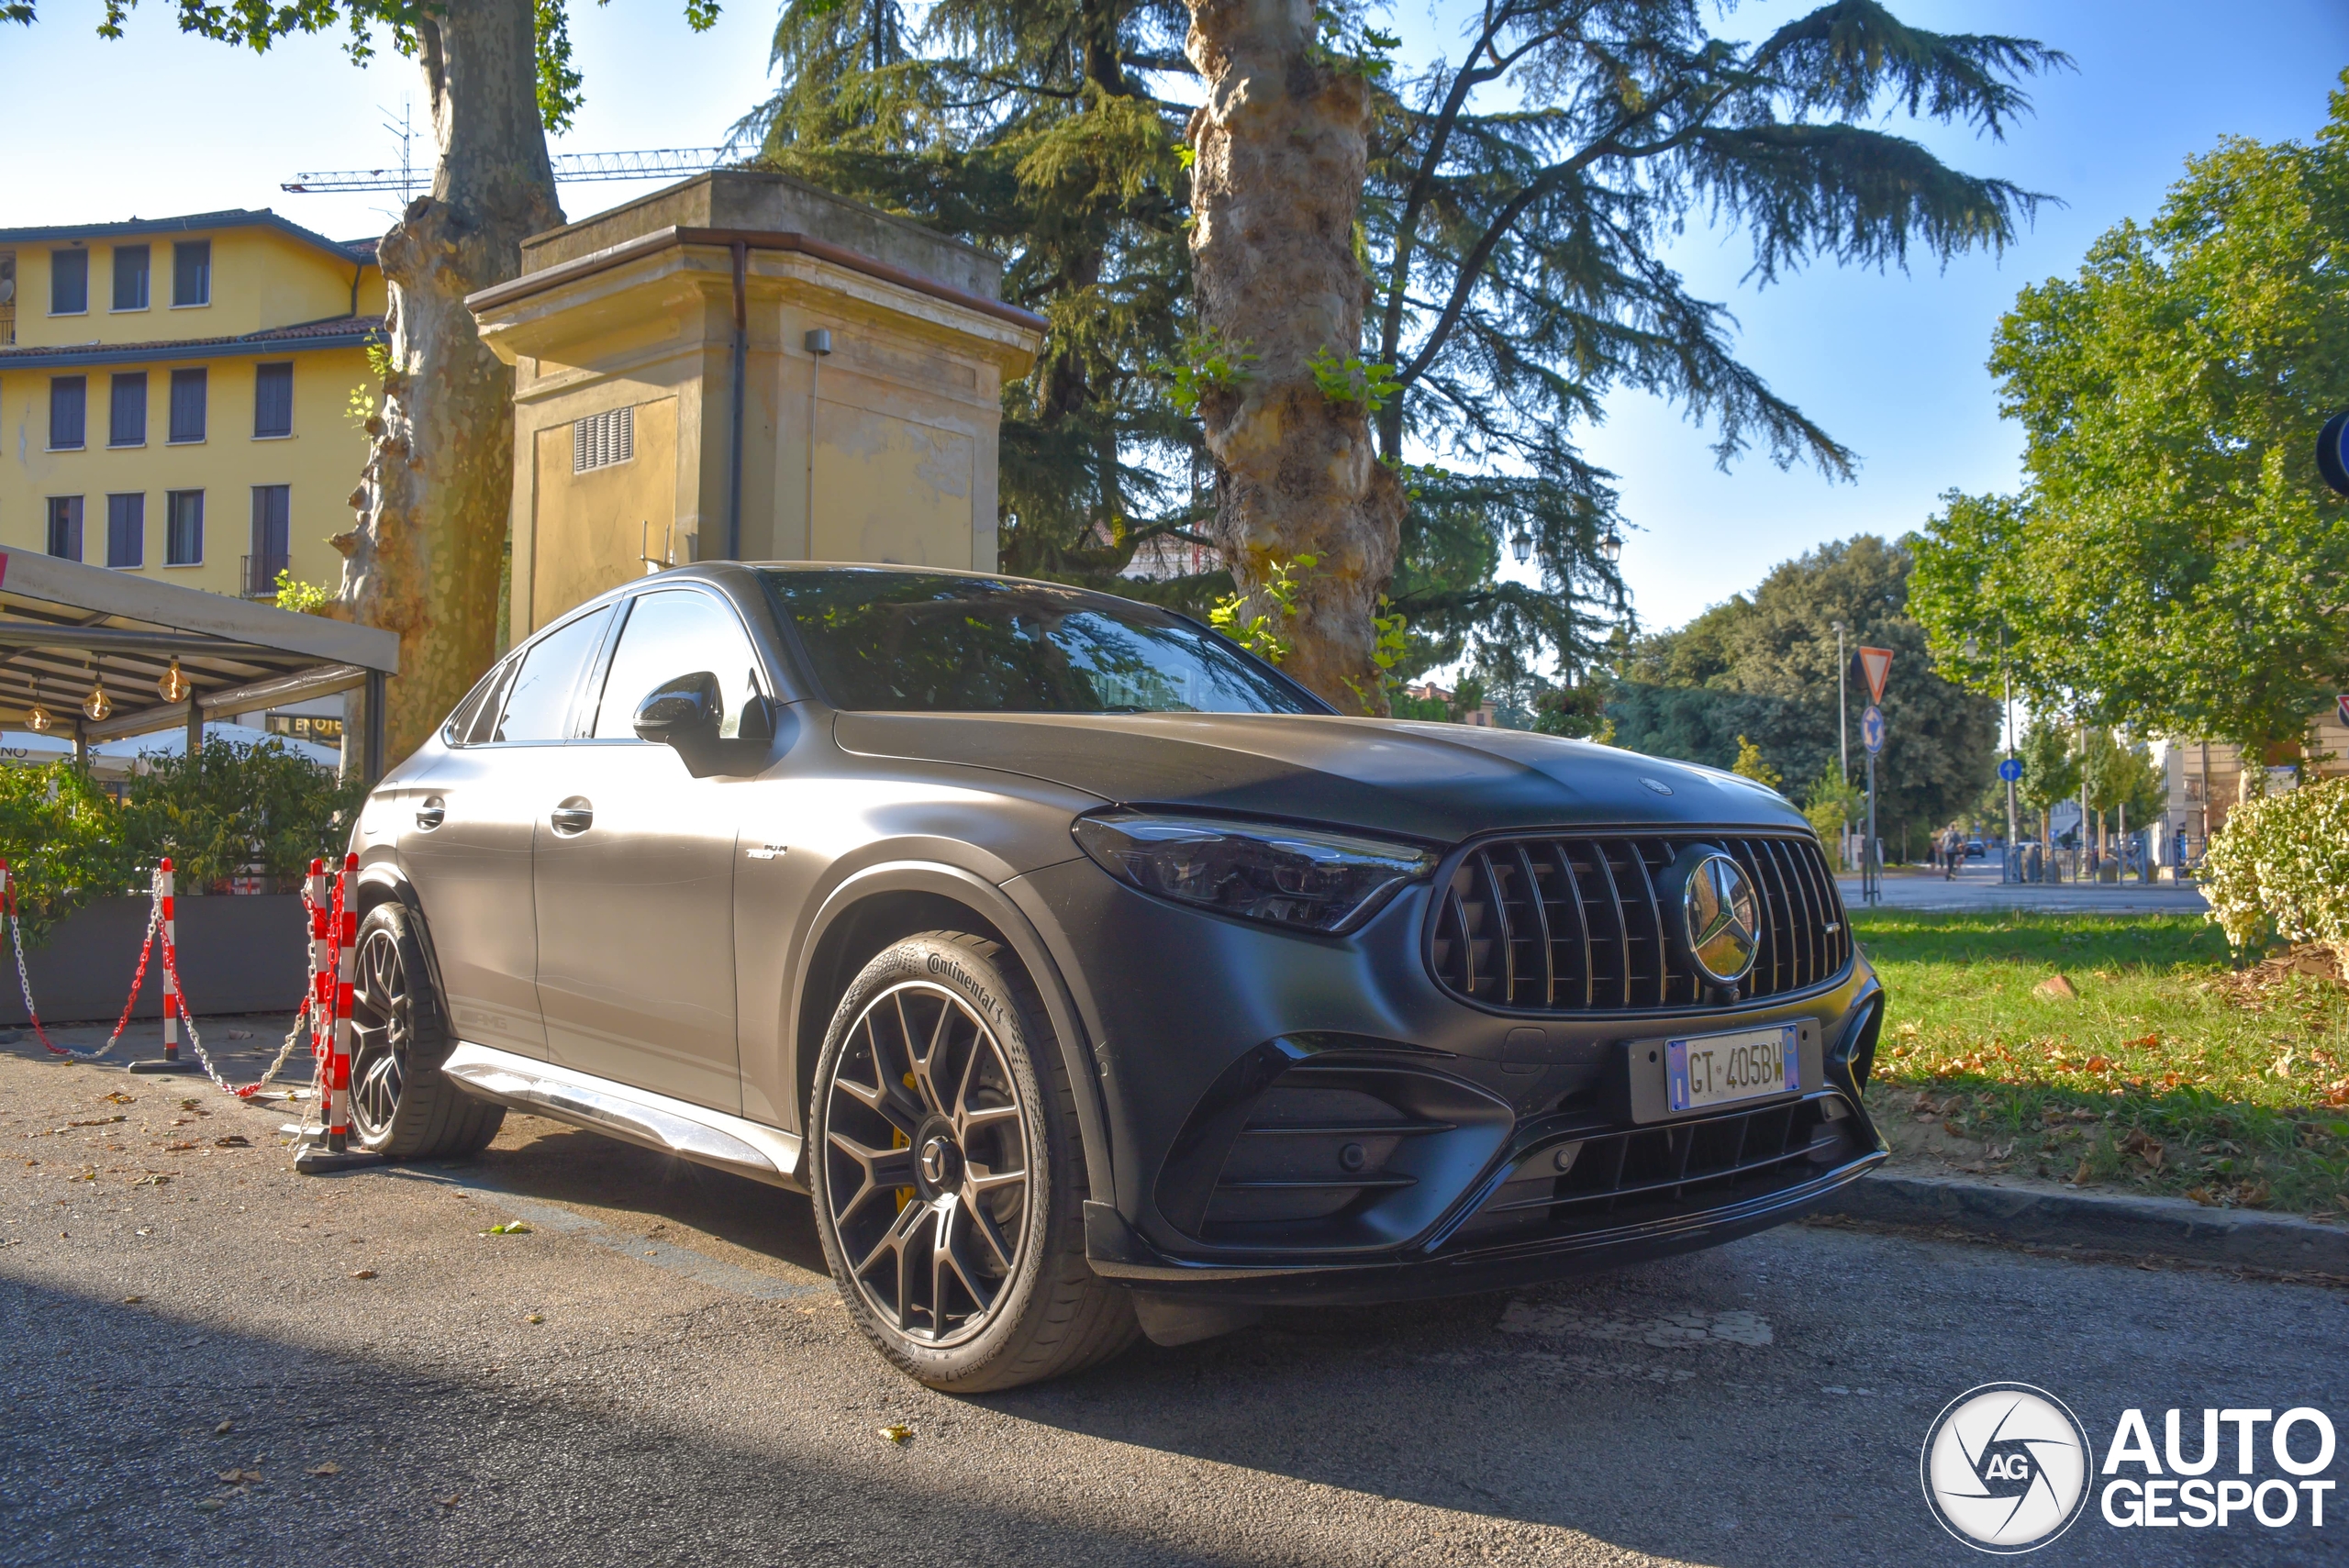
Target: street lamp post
(1842,722)
(2009,871)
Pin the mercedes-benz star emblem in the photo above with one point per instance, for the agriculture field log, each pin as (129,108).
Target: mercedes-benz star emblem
(1720,922)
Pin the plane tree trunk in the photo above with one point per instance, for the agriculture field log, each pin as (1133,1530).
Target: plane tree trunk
(1276,186)
(423,558)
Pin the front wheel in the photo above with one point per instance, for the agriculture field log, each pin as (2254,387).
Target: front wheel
(949,1176)
(402,1104)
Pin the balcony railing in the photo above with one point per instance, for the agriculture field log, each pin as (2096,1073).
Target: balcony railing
(260,575)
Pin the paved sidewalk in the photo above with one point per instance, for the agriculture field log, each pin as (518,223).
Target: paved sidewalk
(1978,888)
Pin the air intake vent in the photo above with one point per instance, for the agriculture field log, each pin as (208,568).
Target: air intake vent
(601,440)
(1579,924)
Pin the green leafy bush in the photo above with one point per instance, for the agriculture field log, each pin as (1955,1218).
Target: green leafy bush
(2280,867)
(68,841)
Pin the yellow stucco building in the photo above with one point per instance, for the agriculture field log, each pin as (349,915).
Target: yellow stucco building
(173,395)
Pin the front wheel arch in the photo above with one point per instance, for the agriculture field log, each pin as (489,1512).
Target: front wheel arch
(881,905)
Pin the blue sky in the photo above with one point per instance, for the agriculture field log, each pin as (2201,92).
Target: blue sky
(1891,365)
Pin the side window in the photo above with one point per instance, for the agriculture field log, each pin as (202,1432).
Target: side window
(671,633)
(540,701)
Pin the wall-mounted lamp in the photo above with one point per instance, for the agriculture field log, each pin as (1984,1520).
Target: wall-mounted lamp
(819,341)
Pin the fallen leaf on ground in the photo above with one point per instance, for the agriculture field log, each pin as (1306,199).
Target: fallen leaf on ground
(233,1140)
(2098,1065)
(2147,1043)
(510,1228)
(207,1504)
(132,1300)
(2056,988)
(2080,1176)
(239,1034)
(224,1428)
(328,1468)
(898,1433)
(362,1273)
(119,1098)
(240,1477)
(177,1148)
(536,1317)
(2202,1195)
(98,1121)
(449,1501)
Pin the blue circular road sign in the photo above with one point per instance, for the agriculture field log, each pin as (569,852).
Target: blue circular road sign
(1872,728)
(2011,770)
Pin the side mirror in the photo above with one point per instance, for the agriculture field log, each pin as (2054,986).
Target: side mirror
(684,713)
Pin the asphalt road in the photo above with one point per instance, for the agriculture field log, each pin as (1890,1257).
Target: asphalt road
(657,1372)
(1977,886)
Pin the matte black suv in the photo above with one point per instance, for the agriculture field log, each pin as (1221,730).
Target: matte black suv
(1091,976)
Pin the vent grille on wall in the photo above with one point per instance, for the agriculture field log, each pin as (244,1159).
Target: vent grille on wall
(602,440)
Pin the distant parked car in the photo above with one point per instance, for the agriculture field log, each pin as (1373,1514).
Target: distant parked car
(1974,850)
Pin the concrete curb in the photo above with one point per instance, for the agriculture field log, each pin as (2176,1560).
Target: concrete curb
(2164,1226)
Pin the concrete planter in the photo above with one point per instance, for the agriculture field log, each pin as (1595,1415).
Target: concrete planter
(236,955)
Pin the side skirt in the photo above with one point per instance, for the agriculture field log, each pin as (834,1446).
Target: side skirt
(637,1116)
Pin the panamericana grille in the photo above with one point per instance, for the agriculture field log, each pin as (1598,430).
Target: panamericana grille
(1626,1175)
(1577,923)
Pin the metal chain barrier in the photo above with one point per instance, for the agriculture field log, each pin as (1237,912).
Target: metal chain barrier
(318,995)
(146,948)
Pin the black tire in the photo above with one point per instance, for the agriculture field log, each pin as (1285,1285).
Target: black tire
(402,1106)
(938,1072)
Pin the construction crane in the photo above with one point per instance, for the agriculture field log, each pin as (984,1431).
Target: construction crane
(570,168)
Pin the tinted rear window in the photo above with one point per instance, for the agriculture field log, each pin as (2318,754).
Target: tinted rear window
(897,641)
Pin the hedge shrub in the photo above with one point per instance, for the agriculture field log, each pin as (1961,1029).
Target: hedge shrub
(2280,867)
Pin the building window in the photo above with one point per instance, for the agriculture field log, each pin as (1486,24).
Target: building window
(272,401)
(602,440)
(66,527)
(191,272)
(272,540)
(67,395)
(8,299)
(183,527)
(68,282)
(127,418)
(130,277)
(187,405)
(127,530)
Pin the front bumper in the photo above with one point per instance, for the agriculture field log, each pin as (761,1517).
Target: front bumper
(1304,1119)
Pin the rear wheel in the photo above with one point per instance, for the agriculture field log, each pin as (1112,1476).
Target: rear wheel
(402,1106)
(949,1177)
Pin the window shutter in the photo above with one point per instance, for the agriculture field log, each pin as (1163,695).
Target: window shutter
(127,530)
(66,527)
(127,418)
(67,395)
(273,400)
(188,388)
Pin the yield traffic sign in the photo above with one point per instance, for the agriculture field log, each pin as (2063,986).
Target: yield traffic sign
(1876,663)
(1872,727)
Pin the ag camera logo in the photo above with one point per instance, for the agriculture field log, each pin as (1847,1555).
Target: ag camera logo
(2005,1467)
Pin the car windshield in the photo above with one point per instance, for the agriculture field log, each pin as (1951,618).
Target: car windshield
(899,641)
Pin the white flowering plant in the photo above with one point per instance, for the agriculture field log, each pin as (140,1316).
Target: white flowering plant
(2279,868)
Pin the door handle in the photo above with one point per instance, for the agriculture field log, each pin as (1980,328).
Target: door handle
(432,813)
(573,816)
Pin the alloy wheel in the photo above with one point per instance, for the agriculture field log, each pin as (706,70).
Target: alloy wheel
(927,1164)
(380,1027)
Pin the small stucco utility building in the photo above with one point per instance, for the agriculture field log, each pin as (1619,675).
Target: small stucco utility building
(744,365)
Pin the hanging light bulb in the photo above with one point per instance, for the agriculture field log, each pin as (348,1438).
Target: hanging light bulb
(171,684)
(37,719)
(97,705)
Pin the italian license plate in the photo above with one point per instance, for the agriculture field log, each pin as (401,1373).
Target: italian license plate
(1722,1069)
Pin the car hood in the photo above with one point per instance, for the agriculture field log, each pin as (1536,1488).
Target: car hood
(1440,781)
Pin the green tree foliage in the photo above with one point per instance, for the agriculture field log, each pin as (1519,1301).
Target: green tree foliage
(1520,195)
(2174,561)
(2051,768)
(1764,665)
(1832,804)
(68,841)
(1752,764)
(1518,201)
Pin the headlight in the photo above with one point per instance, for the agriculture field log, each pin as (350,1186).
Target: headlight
(1300,877)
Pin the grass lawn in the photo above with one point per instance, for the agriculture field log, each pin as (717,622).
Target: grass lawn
(2167,1071)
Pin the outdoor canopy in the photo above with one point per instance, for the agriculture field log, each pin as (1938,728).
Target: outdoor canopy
(64,626)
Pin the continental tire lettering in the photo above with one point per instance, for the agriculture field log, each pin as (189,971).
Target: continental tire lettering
(941,964)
